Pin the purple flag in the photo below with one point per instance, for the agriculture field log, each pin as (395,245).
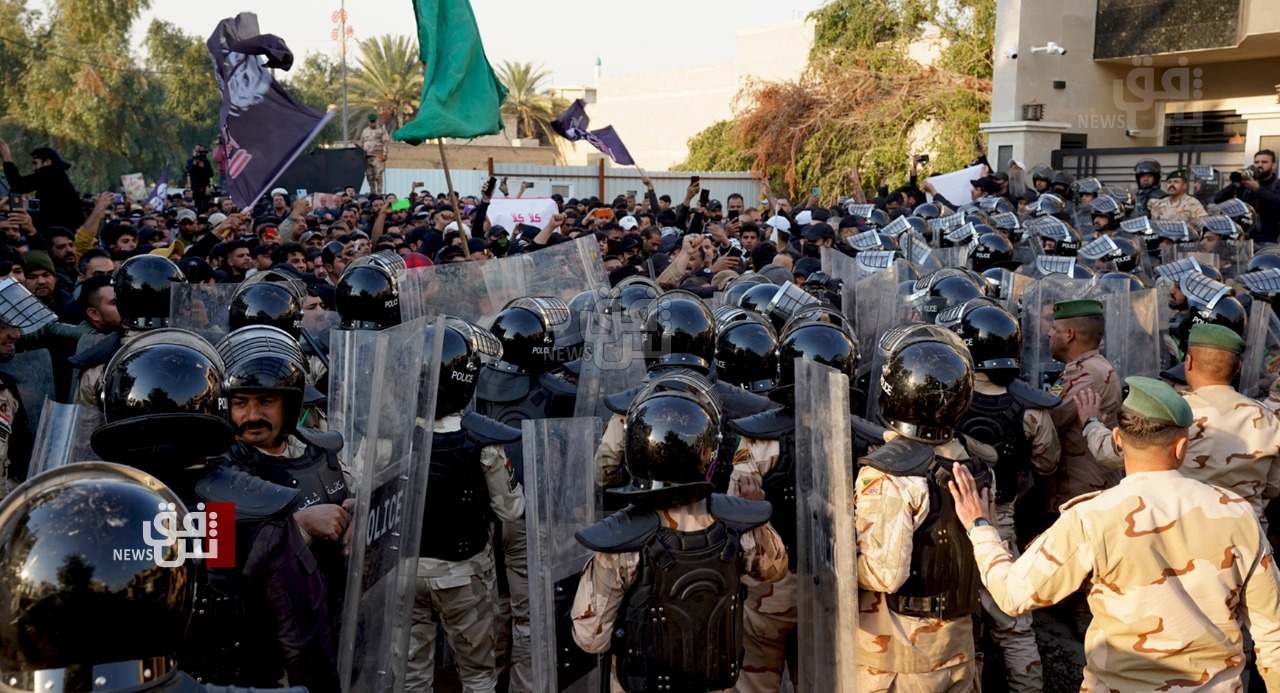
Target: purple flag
(263,129)
(160,195)
(572,124)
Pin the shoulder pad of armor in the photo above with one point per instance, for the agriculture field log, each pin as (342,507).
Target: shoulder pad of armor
(325,440)
(769,425)
(900,457)
(311,397)
(557,385)
(574,366)
(739,514)
(95,349)
(624,531)
(502,387)
(1176,374)
(871,431)
(489,431)
(255,499)
(978,449)
(620,402)
(1078,500)
(738,402)
(1032,398)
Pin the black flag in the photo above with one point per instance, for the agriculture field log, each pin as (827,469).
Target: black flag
(572,124)
(263,129)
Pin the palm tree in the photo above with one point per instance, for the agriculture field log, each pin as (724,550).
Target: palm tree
(532,106)
(388,78)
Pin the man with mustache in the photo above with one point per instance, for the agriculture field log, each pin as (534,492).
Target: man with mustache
(1178,206)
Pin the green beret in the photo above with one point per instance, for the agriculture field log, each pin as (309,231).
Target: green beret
(1077,308)
(372,117)
(1176,173)
(1152,399)
(1216,337)
(33,260)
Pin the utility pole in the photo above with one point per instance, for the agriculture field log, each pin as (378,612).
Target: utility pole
(341,34)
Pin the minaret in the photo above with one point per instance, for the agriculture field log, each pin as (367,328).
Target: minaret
(597,72)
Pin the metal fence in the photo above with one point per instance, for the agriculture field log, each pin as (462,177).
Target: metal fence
(1115,166)
(603,182)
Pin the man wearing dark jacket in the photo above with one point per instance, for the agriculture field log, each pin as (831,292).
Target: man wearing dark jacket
(59,201)
(1262,191)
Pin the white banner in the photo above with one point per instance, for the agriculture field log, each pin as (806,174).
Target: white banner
(507,212)
(955,186)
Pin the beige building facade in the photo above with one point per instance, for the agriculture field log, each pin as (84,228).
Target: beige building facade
(1103,74)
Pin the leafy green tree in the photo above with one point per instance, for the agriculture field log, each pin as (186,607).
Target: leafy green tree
(191,101)
(528,99)
(317,82)
(389,79)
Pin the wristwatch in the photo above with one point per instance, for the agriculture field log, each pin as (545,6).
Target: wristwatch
(1092,419)
(980,522)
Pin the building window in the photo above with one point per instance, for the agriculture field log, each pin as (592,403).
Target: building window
(1204,127)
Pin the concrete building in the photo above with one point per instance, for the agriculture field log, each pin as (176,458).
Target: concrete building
(656,113)
(1185,81)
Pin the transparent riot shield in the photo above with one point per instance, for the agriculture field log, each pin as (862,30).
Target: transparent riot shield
(561,497)
(369,392)
(201,308)
(826,565)
(34,372)
(613,357)
(1009,286)
(564,270)
(874,306)
(1131,340)
(1260,363)
(1039,368)
(837,264)
(63,436)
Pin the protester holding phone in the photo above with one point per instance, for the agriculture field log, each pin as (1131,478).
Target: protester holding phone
(60,203)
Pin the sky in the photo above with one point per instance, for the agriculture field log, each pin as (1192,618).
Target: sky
(628,37)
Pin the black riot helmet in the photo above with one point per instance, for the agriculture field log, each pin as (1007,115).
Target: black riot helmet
(756,298)
(1263,260)
(1228,311)
(1041,172)
(1241,213)
(263,358)
(992,250)
(266,303)
(941,290)
(142,287)
(926,382)
(993,336)
(1047,205)
(1109,209)
(163,403)
(747,352)
(1116,282)
(927,211)
(461,348)
(679,330)
(1145,166)
(738,288)
(72,547)
(815,341)
(630,299)
(367,298)
(1128,256)
(1061,183)
(524,328)
(671,438)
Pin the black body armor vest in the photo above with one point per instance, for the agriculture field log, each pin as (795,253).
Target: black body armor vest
(997,421)
(457,496)
(511,397)
(680,625)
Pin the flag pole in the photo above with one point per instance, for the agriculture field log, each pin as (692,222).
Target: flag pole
(453,199)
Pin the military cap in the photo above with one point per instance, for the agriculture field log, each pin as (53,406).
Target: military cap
(1076,308)
(1154,400)
(1216,337)
(1176,173)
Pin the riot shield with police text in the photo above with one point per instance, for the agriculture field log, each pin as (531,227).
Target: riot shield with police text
(374,385)
(561,497)
(827,563)
(62,437)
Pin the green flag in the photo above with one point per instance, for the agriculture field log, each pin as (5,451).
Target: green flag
(461,97)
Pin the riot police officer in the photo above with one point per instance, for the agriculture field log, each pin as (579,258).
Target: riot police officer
(367,298)
(662,592)
(142,285)
(471,482)
(84,526)
(20,312)
(766,458)
(914,625)
(264,382)
(273,298)
(165,414)
(1146,174)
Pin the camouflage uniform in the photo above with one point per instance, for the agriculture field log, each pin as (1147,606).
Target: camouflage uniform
(462,594)
(608,467)
(1234,444)
(898,652)
(1080,472)
(770,617)
(1175,569)
(1185,209)
(373,140)
(608,576)
(9,408)
(90,382)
